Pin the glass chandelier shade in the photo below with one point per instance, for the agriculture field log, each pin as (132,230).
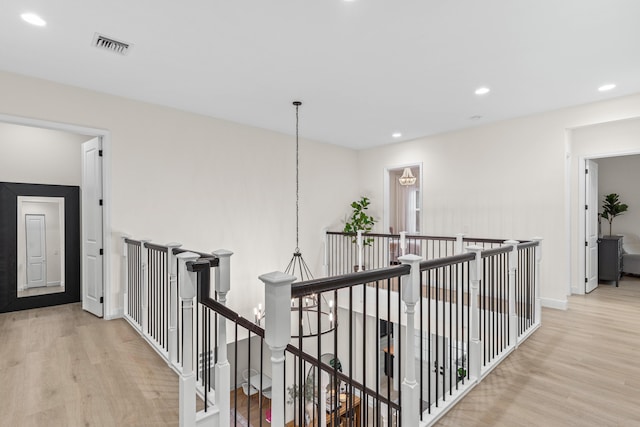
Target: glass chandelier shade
(407,177)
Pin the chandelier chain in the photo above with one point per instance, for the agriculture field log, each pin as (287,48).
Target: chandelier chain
(297,104)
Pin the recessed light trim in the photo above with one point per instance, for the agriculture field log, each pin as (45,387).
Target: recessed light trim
(396,134)
(33,19)
(607,87)
(476,117)
(482,90)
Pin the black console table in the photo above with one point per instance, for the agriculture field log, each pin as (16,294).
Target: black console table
(610,258)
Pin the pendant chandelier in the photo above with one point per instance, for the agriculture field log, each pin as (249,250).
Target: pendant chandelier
(407,177)
(306,311)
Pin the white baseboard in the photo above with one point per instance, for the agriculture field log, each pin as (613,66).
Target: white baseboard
(118,314)
(53,283)
(554,303)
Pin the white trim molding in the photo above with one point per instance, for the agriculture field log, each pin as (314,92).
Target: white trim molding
(554,303)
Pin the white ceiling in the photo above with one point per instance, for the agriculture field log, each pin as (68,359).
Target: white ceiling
(363,68)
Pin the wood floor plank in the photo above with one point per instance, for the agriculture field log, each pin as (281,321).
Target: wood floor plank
(579,369)
(60,366)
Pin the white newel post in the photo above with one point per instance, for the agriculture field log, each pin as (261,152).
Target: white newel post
(538,307)
(513,267)
(360,250)
(325,264)
(403,243)
(410,387)
(322,402)
(125,272)
(475,350)
(277,334)
(222,370)
(188,282)
(459,248)
(144,259)
(172,270)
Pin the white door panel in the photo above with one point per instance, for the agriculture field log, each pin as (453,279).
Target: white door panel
(35,233)
(92,266)
(591,226)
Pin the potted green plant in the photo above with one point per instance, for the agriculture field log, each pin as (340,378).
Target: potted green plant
(611,208)
(306,396)
(307,391)
(360,219)
(461,374)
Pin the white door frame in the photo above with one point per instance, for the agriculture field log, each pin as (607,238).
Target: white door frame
(110,310)
(582,200)
(387,195)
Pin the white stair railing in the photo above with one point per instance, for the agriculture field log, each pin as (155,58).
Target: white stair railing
(222,367)
(277,333)
(410,386)
(173,302)
(187,381)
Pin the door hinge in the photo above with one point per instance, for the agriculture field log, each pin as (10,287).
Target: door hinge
(101,251)
(100,202)
(100,153)
(101,300)
(586,207)
(586,244)
(586,280)
(585,171)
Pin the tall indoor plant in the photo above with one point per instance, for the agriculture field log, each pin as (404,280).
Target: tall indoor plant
(360,219)
(612,207)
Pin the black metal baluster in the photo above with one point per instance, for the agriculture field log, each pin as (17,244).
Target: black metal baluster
(235,376)
(428,277)
(377,401)
(451,367)
(421,332)
(437,353)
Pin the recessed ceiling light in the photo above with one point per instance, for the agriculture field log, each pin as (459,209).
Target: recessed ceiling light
(476,117)
(606,87)
(33,19)
(396,134)
(482,91)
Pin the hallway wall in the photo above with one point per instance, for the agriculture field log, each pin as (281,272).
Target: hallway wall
(206,183)
(39,156)
(504,180)
(621,175)
(614,138)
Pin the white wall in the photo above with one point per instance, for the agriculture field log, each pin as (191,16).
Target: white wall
(203,182)
(513,179)
(505,180)
(39,156)
(621,175)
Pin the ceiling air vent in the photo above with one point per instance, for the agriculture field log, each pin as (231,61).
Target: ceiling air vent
(113,45)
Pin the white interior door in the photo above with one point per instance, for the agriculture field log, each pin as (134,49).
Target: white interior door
(591,226)
(35,233)
(92,265)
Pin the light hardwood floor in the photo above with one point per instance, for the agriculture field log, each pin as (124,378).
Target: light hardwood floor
(581,368)
(60,366)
